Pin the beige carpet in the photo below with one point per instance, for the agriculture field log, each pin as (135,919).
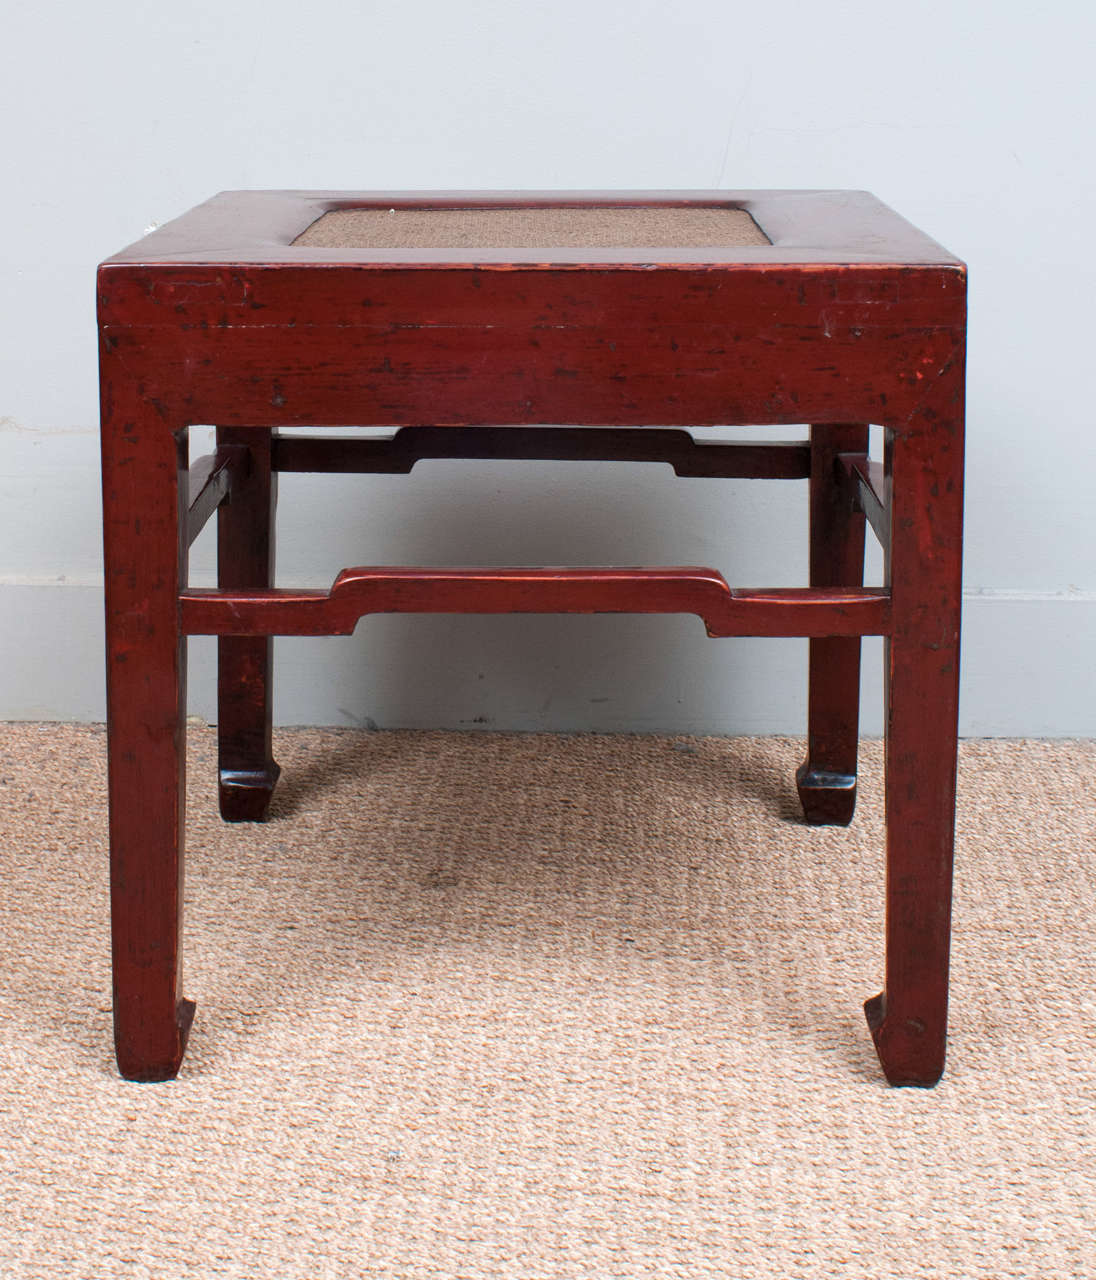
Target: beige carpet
(485,1005)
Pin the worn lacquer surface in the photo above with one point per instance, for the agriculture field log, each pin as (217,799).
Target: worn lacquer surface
(848,316)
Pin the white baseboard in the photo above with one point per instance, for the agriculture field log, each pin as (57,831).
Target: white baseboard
(1028,671)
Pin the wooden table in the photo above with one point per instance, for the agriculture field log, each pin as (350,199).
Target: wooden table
(544,326)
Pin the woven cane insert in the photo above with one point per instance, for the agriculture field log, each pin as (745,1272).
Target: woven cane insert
(549,228)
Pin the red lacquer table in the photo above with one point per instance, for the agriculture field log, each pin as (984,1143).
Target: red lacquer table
(531,326)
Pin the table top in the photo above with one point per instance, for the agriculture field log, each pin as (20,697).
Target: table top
(632,229)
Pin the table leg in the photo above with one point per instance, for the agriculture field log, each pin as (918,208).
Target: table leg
(144,496)
(245,558)
(827,778)
(909,1019)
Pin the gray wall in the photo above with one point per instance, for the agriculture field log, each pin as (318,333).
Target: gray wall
(120,116)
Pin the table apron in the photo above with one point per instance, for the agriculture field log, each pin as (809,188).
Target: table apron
(328,376)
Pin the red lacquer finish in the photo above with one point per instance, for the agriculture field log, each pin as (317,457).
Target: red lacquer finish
(848,316)
(924,572)
(357,592)
(688,457)
(144,527)
(245,558)
(827,778)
